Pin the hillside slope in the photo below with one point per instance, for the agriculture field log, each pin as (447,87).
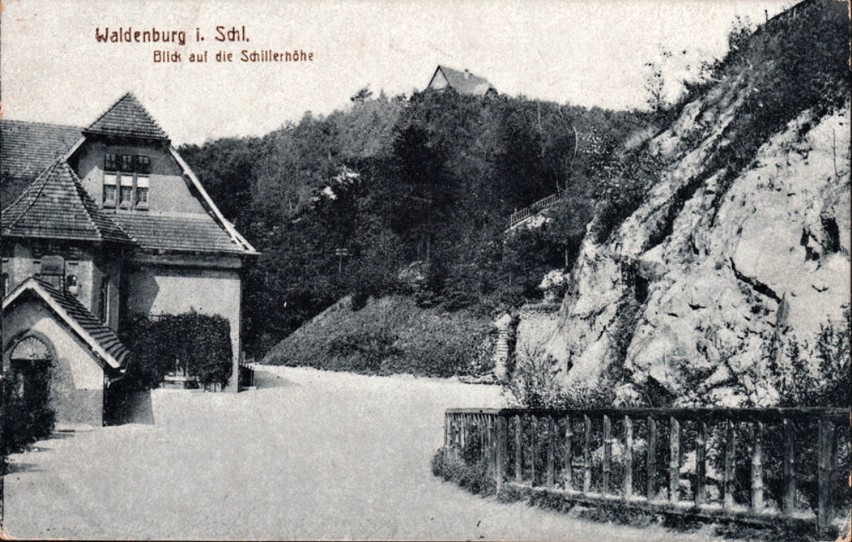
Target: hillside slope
(743,247)
(390,335)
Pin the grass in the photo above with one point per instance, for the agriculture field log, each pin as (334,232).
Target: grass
(387,336)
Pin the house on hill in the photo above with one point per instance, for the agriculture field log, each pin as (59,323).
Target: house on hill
(99,225)
(462,82)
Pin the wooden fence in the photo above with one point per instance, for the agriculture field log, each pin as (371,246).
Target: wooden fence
(755,465)
(519,216)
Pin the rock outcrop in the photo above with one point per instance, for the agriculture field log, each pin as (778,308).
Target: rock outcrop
(694,296)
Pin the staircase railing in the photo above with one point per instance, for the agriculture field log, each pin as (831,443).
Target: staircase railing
(525,213)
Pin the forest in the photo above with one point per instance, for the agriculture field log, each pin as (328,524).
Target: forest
(410,196)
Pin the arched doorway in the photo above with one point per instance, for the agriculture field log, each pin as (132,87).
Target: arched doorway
(29,415)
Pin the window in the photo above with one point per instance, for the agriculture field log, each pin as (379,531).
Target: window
(126,191)
(5,284)
(143,164)
(126,180)
(109,189)
(141,192)
(71,284)
(110,162)
(104,304)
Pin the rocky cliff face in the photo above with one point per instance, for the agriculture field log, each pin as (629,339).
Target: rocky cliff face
(694,297)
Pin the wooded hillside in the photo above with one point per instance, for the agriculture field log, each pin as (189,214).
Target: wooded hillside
(408,196)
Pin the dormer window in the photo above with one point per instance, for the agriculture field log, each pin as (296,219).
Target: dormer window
(126,180)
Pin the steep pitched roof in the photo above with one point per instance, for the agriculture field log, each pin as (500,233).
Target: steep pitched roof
(181,233)
(26,149)
(127,118)
(236,236)
(102,340)
(56,206)
(465,82)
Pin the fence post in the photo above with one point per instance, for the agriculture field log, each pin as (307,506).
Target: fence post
(789,502)
(628,457)
(701,464)
(730,465)
(674,460)
(491,424)
(533,447)
(569,459)
(824,463)
(452,435)
(652,459)
(518,458)
(607,452)
(463,443)
(587,453)
(501,451)
(757,468)
(551,443)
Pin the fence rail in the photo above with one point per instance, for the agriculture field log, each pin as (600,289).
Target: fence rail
(525,213)
(751,464)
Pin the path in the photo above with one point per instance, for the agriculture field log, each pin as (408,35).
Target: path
(309,454)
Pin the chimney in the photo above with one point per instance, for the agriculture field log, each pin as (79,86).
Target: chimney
(466,74)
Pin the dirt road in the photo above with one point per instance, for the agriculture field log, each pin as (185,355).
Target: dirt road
(309,454)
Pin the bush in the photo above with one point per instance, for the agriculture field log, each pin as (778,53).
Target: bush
(197,343)
(472,476)
(818,375)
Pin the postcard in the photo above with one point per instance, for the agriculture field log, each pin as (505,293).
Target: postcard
(373,270)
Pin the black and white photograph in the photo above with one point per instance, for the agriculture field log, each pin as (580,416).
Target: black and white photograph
(557,270)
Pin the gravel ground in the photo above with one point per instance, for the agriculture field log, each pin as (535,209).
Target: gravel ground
(307,455)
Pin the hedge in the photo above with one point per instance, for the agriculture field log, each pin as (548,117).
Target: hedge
(197,342)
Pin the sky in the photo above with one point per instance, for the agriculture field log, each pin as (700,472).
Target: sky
(53,69)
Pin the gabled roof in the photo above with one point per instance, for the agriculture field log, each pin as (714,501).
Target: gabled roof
(26,149)
(241,241)
(102,340)
(465,82)
(127,118)
(56,206)
(178,232)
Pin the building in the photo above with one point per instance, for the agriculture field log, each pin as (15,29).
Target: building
(462,82)
(99,225)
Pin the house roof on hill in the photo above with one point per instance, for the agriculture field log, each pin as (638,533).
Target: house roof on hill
(127,118)
(27,149)
(464,82)
(182,233)
(102,340)
(56,206)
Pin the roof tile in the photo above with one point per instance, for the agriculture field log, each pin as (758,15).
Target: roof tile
(127,118)
(56,206)
(27,149)
(103,335)
(182,233)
